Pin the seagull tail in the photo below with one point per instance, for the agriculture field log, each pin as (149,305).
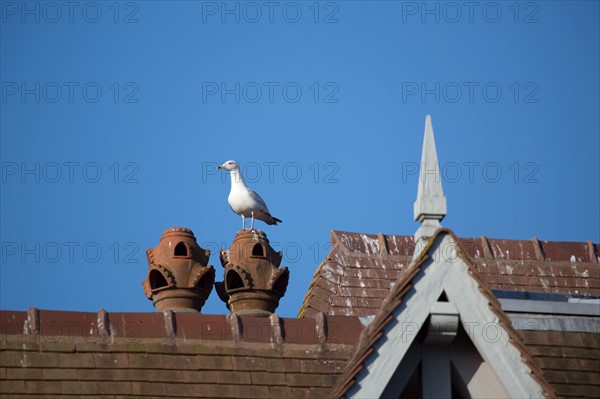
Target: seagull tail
(270,220)
(274,221)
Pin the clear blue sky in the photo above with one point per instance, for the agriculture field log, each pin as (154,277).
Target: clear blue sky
(113,118)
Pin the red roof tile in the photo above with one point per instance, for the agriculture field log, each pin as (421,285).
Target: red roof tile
(172,354)
(357,274)
(570,361)
(368,264)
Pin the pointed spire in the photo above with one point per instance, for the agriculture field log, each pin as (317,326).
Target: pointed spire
(430,206)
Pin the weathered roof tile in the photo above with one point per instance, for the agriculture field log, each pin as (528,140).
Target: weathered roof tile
(568,360)
(356,260)
(205,362)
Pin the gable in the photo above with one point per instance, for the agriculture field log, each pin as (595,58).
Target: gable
(443,267)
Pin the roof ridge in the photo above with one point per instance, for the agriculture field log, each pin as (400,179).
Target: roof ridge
(344,232)
(492,247)
(115,327)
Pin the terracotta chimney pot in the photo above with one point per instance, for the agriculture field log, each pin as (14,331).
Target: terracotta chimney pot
(179,277)
(253,282)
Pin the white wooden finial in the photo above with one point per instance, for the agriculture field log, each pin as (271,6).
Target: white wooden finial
(430,206)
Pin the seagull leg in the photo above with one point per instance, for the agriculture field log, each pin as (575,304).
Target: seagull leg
(252,227)
(243,222)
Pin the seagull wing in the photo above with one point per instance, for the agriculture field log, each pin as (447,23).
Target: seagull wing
(261,202)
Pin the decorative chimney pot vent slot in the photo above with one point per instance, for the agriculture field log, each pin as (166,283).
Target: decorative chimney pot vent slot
(279,281)
(181,250)
(234,281)
(179,277)
(158,280)
(258,251)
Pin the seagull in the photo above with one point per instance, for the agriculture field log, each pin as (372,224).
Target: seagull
(243,200)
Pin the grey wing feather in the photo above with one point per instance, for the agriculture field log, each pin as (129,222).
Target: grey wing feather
(259,199)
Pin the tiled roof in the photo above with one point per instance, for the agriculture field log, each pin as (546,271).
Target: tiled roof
(570,361)
(172,354)
(194,355)
(357,274)
(375,330)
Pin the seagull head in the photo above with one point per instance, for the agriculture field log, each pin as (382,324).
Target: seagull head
(229,165)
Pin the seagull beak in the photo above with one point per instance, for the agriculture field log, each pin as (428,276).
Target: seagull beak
(219,166)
